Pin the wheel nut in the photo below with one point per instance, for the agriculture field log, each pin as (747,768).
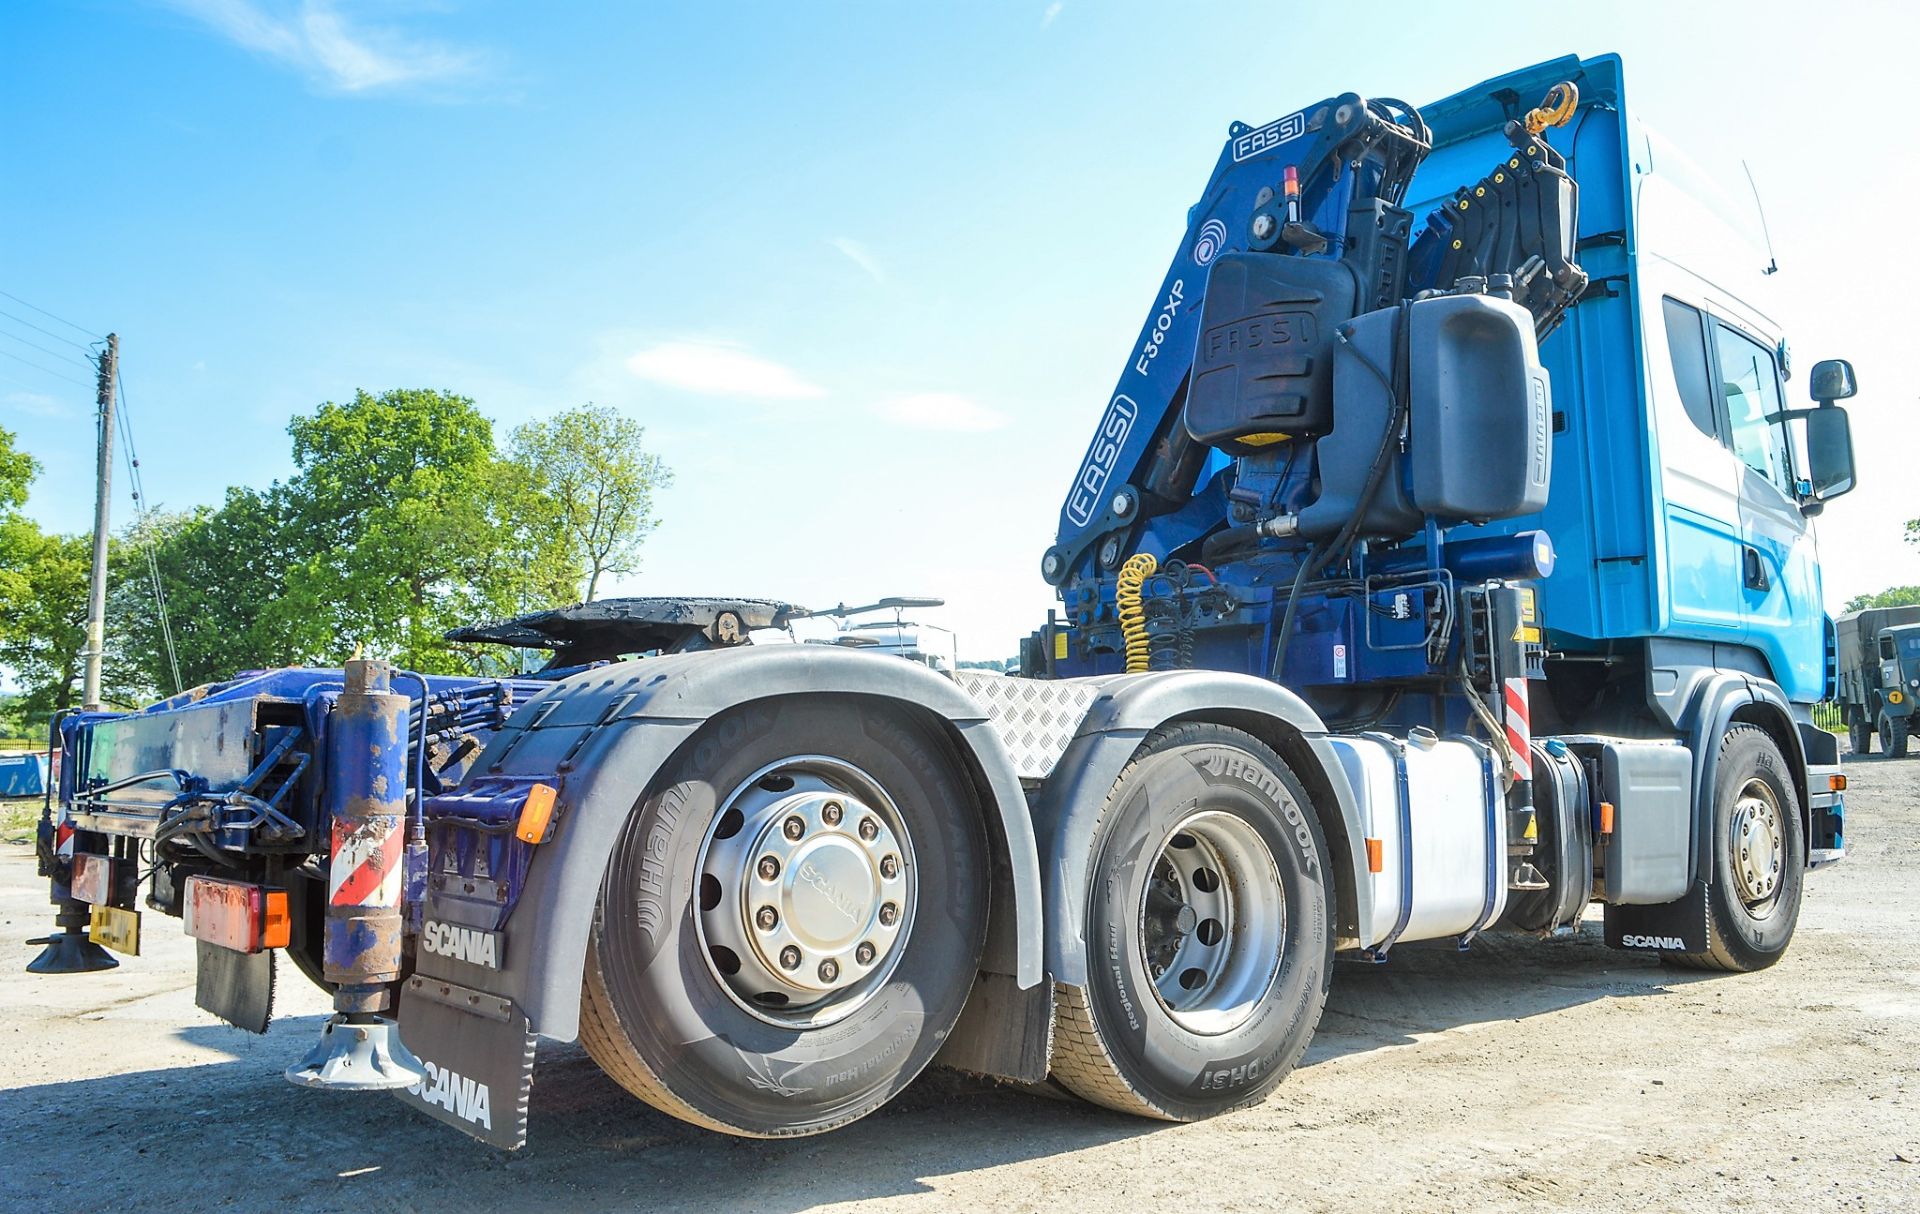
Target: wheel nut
(769,868)
(864,954)
(869,829)
(794,827)
(889,914)
(829,970)
(790,958)
(889,867)
(766,918)
(831,813)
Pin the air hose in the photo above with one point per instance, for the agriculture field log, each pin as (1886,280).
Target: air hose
(1126,601)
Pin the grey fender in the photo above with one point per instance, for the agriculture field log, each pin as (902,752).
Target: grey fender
(606,733)
(1722,699)
(1128,708)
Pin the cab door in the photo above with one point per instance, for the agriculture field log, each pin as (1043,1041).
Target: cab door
(1700,481)
(1779,573)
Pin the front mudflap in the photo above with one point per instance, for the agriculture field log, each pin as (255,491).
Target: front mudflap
(473,1042)
(1679,926)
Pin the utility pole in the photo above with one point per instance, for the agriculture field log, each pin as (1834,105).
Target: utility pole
(102,518)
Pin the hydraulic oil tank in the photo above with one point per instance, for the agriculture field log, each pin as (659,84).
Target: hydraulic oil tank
(1261,371)
(1480,409)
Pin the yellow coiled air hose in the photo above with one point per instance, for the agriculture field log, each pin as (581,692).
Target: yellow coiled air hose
(1126,601)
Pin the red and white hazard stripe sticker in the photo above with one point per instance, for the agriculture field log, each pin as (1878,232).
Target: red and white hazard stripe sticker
(63,835)
(366,868)
(1519,729)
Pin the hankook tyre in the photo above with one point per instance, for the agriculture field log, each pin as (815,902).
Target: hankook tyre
(792,919)
(1209,931)
(1760,856)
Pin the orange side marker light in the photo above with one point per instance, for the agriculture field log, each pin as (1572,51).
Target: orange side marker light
(536,814)
(1606,817)
(1375,860)
(1836,783)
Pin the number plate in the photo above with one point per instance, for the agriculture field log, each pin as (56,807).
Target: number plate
(117,929)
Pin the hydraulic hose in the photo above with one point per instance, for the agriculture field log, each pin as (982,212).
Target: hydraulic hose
(1126,601)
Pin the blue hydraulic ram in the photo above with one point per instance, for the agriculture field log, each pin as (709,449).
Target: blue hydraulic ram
(366,801)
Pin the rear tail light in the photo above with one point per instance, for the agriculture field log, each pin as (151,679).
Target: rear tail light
(236,915)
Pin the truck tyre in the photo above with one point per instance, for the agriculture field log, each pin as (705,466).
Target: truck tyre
(1893,735)
(1859,732)
(1209,931)
(1760,856)
(792,919)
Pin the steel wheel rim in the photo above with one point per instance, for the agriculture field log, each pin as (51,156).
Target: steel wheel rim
(805,891)
(1758,844)
(1212,922)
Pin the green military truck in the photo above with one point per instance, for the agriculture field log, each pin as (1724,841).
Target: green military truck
(1879,675)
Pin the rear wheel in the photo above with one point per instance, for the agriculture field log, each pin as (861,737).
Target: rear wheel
(1208,927)
(1893,735)
(1760,856)
(1859,732)
(791,921)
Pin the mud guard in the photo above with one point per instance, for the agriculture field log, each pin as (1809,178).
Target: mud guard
(1681,925)
(606,733)
(1130,707)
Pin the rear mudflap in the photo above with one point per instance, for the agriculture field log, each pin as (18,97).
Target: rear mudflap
(478,1056)
(474,1043)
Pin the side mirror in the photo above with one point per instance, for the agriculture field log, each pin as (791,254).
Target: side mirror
(1830,443)
(1832,380)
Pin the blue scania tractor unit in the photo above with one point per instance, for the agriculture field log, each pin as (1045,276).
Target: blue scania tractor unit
(1440,565)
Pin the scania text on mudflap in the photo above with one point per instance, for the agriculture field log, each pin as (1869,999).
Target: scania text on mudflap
(1440,565)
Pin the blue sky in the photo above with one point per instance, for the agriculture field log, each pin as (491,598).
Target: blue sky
(866,272)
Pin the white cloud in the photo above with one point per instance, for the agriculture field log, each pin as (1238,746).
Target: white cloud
(720,369)
(860,256)
(34,404)
(1053,11)
(941,411)
(314,37)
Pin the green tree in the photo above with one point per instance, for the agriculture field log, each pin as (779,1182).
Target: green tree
(591,465)
(1897,596)
(407,521)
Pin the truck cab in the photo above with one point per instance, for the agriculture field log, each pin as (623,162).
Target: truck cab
(1684,480)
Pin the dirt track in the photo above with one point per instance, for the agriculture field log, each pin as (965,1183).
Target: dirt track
(1525,1074)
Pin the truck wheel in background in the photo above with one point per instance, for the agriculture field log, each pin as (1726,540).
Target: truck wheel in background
(791,920)
(1209,931)
(1859,731)
(1893,735)
(1760,856)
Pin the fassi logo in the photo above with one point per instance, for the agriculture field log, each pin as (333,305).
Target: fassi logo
(1097,468)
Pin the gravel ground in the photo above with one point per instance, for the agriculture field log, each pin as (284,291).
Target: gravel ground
(1523,1075)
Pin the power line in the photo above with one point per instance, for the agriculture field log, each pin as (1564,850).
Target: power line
(36,366)
(37,329)
(50,316)
(143,526)
(35,345)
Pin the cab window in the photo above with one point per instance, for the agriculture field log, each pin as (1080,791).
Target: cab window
(1750,386)
(1687,346)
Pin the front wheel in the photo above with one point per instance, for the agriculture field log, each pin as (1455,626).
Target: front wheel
(1760,856)
(1209,931)
(791,921)
(1893,735)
